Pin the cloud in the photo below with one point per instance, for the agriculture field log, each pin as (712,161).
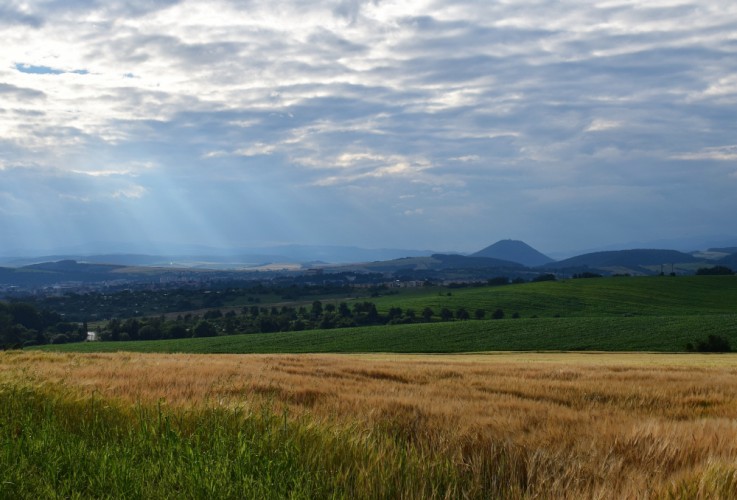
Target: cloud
(467,158)
(416,211)
(132,191)
(720,153)
(257,149)
(131,169)
(298,104)
(13,91)
(13,15)
(599,124)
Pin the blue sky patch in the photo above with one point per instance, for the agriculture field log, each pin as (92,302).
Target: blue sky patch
(46,70)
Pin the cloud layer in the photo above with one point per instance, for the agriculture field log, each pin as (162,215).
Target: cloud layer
(432,124)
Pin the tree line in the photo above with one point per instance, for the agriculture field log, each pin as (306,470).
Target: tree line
(23,325)
(259,319)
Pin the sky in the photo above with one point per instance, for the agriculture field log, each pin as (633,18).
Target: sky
(443,125)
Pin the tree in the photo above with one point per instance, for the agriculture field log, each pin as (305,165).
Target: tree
(372,313)
(427,314)
(327,322)
(229,325)
(497,314)
(148,332)
(446,314)
(204,328)
(6,324)
(268,324)
(26,315)
(714,343)
(395,312)
(343,310)
(480,314)
(115,329)
(365,313)
(316,311)
(462,314)
(131,327)
(59,339)
(177,331)
(213,314)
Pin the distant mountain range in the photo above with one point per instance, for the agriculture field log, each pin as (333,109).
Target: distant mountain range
(508,258)
(237,258)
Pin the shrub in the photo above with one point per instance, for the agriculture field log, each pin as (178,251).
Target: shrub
(59,339)
(714,271)
(544,277)
(586,274)
(498,281)
(714,343)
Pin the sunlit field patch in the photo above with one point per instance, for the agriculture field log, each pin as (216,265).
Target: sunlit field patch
(520,425)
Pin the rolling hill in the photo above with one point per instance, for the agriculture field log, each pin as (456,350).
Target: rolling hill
(462,262)
(633,260)
(663,334)
(625,296)
(436,262)
(50,273)
(729,261)
(618,314)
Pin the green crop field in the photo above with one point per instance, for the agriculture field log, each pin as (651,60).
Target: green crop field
(655,296)
(644,333)
(609,314)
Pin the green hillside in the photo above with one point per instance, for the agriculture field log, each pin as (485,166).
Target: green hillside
(607,314)
(633,259)
(666,334)
(660,296)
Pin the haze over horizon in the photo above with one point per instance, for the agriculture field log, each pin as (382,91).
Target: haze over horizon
(377,124)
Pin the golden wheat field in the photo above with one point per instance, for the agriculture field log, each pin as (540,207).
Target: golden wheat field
(578,425)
